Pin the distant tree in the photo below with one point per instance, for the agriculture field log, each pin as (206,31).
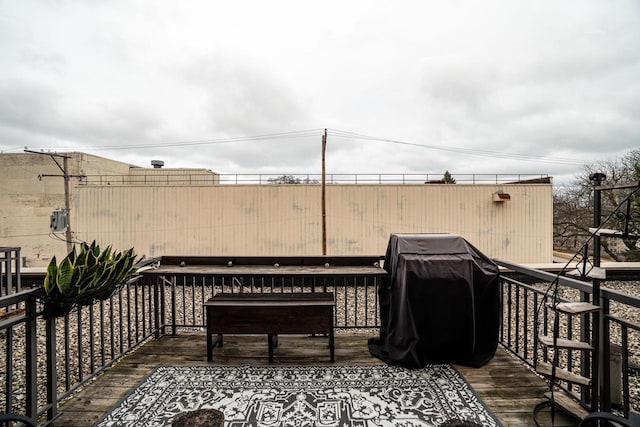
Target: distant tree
(290,179)
(573,208)
(448,179)
(285,179)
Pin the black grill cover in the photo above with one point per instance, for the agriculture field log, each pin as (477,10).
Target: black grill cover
(440,303)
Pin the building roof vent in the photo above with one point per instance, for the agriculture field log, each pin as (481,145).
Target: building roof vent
(157,164)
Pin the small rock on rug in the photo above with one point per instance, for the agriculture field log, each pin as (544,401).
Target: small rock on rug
(309,396)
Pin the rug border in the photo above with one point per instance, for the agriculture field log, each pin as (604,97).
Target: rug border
(139,383)
(130,392)
(486,407)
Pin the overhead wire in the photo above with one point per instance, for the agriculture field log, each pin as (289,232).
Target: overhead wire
(472,151)
(273,136)
(338,134)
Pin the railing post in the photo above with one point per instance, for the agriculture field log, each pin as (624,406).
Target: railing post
(535,330)
(605,385)
(596,403)
(624,355)
(52,380)
(156,308)
(174,328)
(31,359)
(163,307)
(586,369)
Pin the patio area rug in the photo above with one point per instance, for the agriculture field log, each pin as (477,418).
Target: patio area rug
(310,396)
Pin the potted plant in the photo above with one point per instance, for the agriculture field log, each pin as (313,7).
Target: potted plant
(84,277)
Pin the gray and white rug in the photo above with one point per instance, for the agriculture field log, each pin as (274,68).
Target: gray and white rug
(309,396)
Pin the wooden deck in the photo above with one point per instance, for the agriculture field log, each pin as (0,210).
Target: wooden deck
(509,388)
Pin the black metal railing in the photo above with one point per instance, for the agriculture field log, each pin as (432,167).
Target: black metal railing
(184,297)
(527,314)
(45,360)
(10,270)
(354,281)
(153,178)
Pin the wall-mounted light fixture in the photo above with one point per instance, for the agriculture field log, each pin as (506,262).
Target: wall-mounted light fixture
(501,196)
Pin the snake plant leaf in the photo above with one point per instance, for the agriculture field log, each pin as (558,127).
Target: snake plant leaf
(101,277)
(89,273)
(65,274)
(95,248)
(124,267)
(81,259)
(92,259)
(50,278)
(76,276)
(105,255)
(72,256)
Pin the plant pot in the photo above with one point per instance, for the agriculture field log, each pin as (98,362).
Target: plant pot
(57,307)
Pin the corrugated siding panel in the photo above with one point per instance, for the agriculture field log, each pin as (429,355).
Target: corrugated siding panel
(286,219)
(360,218)
(203,220)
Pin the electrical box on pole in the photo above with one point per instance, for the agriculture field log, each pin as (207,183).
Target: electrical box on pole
(59,220)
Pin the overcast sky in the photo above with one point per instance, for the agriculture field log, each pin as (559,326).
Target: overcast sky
(466,86)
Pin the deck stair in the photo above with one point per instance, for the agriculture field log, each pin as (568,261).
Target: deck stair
(548,340)
(556,373)
(567,403)
(584,270)
(545,369)
(576,308)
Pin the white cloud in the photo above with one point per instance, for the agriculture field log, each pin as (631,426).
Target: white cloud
(531,78)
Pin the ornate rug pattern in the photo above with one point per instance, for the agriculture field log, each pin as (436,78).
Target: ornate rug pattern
(309,396)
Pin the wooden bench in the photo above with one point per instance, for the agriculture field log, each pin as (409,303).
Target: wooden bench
(270,314)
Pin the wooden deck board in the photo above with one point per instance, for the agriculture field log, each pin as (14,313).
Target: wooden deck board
(509,388)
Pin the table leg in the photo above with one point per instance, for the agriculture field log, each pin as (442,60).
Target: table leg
(332,352)
(270,339)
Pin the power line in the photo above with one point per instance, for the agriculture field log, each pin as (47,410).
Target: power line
(23,235)
(339,134)
(487,153)
(266,137)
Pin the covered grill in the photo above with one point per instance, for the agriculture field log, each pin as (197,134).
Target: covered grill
(440,303)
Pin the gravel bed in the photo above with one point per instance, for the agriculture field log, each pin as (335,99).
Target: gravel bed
(85,351)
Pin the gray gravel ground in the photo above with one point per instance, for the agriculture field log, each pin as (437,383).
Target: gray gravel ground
(347,314)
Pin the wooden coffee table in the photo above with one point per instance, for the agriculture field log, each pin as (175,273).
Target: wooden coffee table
(270,314)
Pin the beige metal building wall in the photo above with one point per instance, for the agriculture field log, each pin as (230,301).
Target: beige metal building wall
(361,218)
(287,220)
(202,220)
(26,202)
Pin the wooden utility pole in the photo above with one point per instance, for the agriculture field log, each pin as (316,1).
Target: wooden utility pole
(324,199)
(64,168)
(67,201)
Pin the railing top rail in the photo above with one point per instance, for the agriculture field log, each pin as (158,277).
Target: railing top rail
(624,322)
(605,292)
(355,260)
(620,297)
(188,178)
(545,276)
(18,297)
